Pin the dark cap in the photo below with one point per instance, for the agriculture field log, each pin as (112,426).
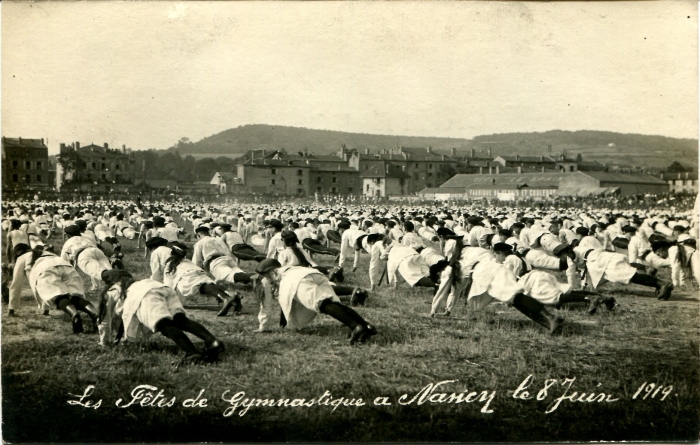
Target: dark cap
(502,247)
(72,230)
(444,231)
(155,242)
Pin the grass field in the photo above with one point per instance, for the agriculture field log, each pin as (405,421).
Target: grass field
(490,353)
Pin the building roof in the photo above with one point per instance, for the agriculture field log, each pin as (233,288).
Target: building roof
(23,143)
(333,168)
(384,170)
(440,190)
(92,148)
(519,158)
(626,178)
(587,191)
(531,179)
(267,163)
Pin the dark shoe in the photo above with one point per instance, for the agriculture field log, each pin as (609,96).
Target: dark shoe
(362,333)
(11,313)
(228,303)
(358,297)
(446,314)
(46,313)
(595,302)
(212,351)
(665,292)
(237,305)
(336,275)
(77,324)
(610,303)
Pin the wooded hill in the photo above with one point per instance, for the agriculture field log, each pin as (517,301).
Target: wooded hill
(630,149)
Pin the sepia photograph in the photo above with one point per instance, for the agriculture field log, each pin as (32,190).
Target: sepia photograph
(349,222)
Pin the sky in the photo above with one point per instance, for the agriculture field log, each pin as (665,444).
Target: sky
(145,74)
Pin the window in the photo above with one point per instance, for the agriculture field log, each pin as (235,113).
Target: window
(38,178)
(334,190)
(89,176)
(273,182)
(118,178)
(300,192)
(368,187)
(273,171)
(94,166)
(430,166)
(415,165)
(335,180)
(350,189)
(118,167)
(430,175)
(318,180)
(15,164)
(366,166)
(28,165)
(378,192)
(15,177)
(104,176)
(38,165)
(416,176)
(27,178)
(300,172)
(300,182)
(318,189)
(104,166)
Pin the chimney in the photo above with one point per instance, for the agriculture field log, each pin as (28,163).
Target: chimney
(106,146)
(366,151)
(453,152)
(473,152)
(42,141)
(77,145)
(20,141)
(63,147)
(429,150)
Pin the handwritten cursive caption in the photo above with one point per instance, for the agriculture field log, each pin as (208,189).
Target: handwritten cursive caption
(556,391)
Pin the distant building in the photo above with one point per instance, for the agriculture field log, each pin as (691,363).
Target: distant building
(100,167)
(627,183)
(681,182)
(25,164)
(509,186)
(384,179)
(224,181)
(424,167)
(526,162)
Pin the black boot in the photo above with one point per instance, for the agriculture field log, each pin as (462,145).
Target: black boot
(76,321)
(168,329)
(343,290)
(84,305)
(358,297)
(536,311)
(582,296)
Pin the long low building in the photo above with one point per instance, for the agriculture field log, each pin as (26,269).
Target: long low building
(511,186)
